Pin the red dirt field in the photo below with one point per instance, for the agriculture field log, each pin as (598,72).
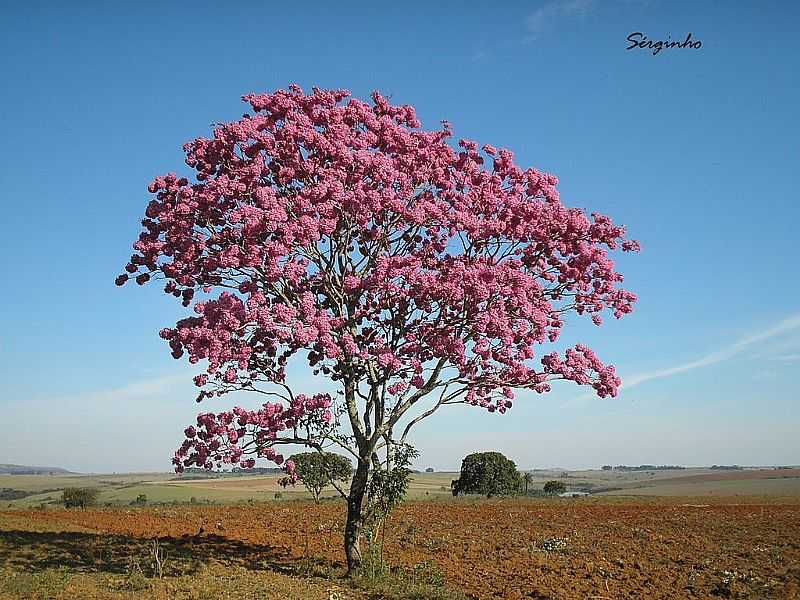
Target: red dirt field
(614,548)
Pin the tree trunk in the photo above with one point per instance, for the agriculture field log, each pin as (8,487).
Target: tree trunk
(355,516)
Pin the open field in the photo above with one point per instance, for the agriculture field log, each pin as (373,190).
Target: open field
(751,487)
(117,490)
(500,548)
(681,482)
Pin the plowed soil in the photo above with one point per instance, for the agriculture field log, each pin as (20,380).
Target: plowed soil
(564,548)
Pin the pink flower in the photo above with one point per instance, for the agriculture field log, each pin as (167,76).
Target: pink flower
(397,388)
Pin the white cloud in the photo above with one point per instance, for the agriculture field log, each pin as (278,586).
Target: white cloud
(717,356)
(139,389)
(545,17)
(787,358)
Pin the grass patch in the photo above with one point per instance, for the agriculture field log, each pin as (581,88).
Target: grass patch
(46,584)
(424,581)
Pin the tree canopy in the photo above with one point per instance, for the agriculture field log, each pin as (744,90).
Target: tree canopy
(489,474)
(410,272)
(318,470)
(554,487)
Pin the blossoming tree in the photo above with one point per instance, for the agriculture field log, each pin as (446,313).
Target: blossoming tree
(411,273)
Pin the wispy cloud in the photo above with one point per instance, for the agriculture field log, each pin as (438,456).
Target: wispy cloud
(140,389)
(481,55)
(546,16)
(717,356)
(767,375)
(550,14)
(787,358)
(130,393)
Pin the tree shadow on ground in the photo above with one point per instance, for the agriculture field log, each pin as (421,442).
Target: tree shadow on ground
(89,553)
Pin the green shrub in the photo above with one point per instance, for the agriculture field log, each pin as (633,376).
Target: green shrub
(554,487)
(79,497)
(424,581)
(429,573)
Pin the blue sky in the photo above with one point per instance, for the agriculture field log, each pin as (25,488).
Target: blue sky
(696,150)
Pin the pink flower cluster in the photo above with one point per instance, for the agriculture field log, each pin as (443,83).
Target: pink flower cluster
(226,437)
(582,366)
(340,229)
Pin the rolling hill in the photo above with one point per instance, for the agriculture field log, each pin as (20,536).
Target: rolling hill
(27,470)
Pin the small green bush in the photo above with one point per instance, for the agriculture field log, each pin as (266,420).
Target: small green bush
(424,581)
(554,487)
(79,497)
(135,579)
(429,573)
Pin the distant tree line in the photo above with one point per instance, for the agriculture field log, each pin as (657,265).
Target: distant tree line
(726,467)
(643,468)
(31,472)
(261,470)
(7,469)
(200,473)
